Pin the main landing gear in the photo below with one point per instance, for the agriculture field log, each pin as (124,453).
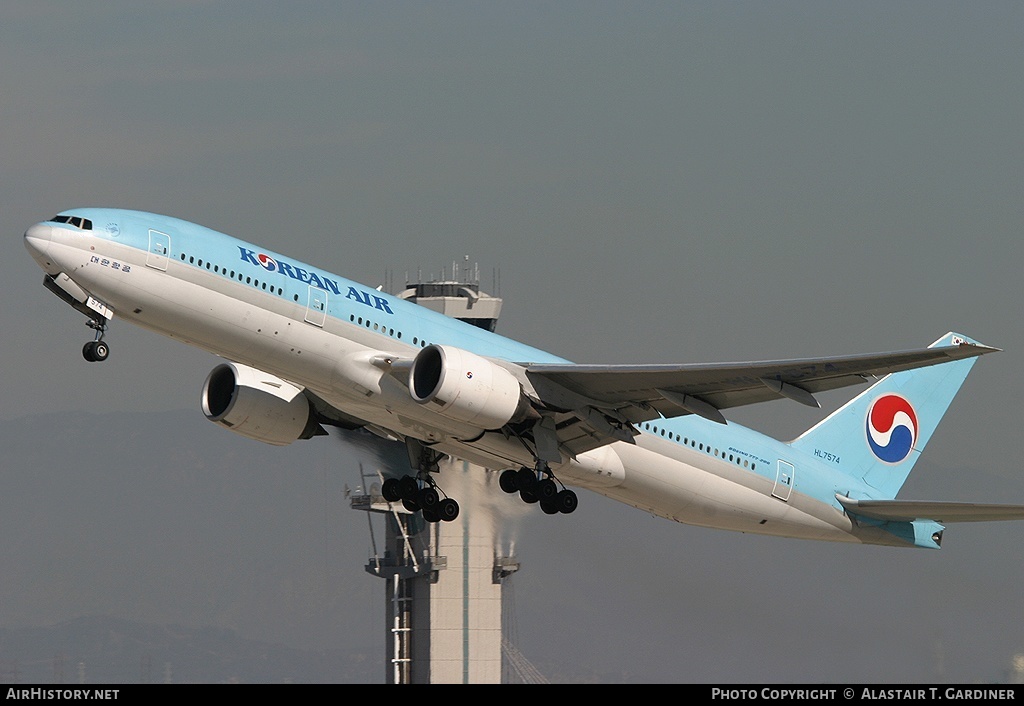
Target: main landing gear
(423,495)
(96,351)
(420,492)
(539,486)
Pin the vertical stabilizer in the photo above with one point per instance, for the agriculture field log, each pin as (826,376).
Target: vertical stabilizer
(879,435)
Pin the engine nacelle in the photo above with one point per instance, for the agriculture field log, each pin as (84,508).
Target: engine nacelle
(467,388)
(258,405)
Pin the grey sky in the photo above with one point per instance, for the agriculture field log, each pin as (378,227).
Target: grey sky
(657,182)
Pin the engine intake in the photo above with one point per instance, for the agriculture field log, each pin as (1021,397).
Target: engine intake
(467,388)
(258,405)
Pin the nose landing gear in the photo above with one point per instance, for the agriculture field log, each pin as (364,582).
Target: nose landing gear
(96,351)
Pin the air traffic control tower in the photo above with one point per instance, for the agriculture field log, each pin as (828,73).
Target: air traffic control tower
(458,297)
(444,580)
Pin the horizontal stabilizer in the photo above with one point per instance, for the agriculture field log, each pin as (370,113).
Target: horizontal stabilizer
(946,512)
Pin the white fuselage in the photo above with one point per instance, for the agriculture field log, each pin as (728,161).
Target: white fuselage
(289,336)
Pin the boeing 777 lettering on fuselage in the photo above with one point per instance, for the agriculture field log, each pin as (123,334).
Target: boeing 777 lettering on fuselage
(305,349)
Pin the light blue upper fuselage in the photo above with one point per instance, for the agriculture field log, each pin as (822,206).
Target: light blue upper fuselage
(289,279)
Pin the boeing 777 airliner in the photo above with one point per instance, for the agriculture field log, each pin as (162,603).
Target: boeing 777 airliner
(304,349)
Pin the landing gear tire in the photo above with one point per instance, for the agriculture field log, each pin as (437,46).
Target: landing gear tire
(408,488)
(566,501)
(95,351)
(526,478)
(448,510)
(528,496)
(549,506)
(431,516)
(546,489)
(410,505)
(508,480)
(428,499)
(391,490)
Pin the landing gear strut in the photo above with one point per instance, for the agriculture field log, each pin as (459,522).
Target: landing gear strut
(96,351)
(539,486)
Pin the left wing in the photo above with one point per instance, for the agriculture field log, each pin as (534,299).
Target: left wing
(595,404)
(910,510)
(674,390)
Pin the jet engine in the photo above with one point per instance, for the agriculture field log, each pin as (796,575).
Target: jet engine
(466,388)
(258,405)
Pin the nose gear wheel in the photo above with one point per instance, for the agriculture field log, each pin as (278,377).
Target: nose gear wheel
(96,351)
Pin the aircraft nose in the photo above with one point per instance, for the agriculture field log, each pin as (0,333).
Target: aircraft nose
(37,240)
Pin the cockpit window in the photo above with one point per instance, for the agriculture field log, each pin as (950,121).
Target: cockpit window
(76,221)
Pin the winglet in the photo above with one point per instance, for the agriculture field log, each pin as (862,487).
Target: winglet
(957,339)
